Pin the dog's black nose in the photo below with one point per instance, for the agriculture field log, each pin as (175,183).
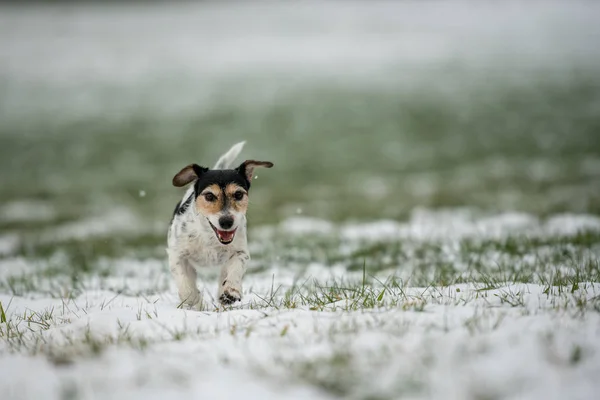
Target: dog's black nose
(226,222)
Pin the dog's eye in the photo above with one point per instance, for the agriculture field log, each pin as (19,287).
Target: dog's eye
(210,197)
(238,196)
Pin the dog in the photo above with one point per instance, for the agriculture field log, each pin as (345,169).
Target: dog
(208,227)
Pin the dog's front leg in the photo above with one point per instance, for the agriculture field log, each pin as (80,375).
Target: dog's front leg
(230,282)
(185,279)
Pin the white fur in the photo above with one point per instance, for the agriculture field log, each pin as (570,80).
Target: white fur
(227,159)
(193,244)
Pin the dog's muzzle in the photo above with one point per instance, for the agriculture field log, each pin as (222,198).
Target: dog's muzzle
(225,237)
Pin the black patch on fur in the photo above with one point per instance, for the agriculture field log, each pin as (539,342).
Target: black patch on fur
(225,202)
(176,208)
(222,178)
(199,170)
(175,212)
(180,208)
(242,255)
(242,171)
(228,298)
(184,206)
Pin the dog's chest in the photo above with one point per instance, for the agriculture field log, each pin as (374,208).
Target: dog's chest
(190,239)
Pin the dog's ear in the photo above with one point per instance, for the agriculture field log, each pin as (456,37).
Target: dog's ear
(188,174)
(247,168)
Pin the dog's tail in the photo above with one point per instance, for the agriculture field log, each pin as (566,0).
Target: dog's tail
(228,158)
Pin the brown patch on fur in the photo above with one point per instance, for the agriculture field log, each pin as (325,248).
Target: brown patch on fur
(185,176)
(188,174)
(238,205)
(210,207)
(213,207)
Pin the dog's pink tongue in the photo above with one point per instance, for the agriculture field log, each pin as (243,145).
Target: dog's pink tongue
(226,236)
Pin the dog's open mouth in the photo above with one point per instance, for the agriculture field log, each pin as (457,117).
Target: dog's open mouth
(225,237)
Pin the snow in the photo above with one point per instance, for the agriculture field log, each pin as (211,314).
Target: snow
(305,225)
(8,243)
(27,210)
(115,221)
(118,333)
(459,341)
(448,224)
(456,351)
(569,224)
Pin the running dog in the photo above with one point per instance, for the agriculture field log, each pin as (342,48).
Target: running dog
(208,228)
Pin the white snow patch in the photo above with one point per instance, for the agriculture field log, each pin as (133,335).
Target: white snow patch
(16,384)
(454,342)
(453,349)
(14,267)
(306,225)
(570,224)
(116,221)
(372,230)
(8,244)
(27,211)
(448,225)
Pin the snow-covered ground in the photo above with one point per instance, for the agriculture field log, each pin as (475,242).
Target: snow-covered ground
(400,110)
(523,323)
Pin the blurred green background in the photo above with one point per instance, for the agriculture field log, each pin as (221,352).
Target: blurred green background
(368,111)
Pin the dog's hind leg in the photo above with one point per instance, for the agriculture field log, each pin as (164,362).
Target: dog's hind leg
(230,282)
(185,279)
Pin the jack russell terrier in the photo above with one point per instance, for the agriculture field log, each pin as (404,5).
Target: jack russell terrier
(209,226)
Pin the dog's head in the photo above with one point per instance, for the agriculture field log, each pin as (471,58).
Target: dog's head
(221,195)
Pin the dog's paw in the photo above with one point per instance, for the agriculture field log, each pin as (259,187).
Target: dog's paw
(230,295)
(190,298)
